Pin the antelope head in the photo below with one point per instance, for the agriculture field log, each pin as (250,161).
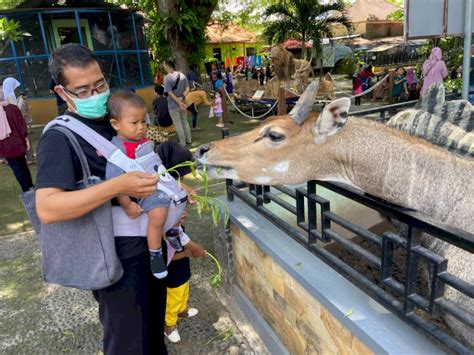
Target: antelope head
(283,149)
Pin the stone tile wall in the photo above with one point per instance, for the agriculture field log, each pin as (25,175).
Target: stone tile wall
(301,323)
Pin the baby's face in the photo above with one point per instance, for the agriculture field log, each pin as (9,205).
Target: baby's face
(132,123)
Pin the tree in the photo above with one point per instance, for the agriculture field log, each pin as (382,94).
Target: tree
(177,28)
(9,31)
(304,20)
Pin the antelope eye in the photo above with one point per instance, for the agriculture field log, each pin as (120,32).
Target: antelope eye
(275,136)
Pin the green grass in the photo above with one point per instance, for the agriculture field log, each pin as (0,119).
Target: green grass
(13,219)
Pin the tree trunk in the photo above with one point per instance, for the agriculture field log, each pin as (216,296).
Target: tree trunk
(303,46)
(180,47)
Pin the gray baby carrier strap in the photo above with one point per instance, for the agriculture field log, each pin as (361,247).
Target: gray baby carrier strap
(148,162)
(81,252)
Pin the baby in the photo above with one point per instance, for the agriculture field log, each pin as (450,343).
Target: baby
(128,117)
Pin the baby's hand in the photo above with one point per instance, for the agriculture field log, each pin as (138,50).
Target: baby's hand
(133,210)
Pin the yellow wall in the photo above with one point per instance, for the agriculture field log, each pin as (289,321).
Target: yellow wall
(43,110)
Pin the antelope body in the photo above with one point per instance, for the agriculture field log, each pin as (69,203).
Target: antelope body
(377,159)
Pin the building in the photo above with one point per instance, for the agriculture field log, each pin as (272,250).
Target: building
(115,35)
(233,45)
(369,19)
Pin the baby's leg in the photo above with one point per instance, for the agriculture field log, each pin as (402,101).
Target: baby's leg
(156,222)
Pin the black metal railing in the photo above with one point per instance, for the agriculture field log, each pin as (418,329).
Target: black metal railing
(389,110)
(401,293)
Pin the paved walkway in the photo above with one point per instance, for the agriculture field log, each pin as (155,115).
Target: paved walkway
(40,318)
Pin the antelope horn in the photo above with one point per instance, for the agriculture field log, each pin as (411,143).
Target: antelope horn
(305,103)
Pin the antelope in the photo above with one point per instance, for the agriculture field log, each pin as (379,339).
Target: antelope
(370,156)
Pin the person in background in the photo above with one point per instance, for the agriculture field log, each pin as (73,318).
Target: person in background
(25,111)
(381,89)
(434,69)
(399,85)
(261,76)
(60,103)
(160,108)
(194,99)
(192,78)
(229,83)
(158,77)
(219,82)
(177,87)
(357,89)
(213,75)
(14,142)
(411,77)
(218,110)
(254,74)
(268,72)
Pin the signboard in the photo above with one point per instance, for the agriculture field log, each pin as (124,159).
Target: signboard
(434,18)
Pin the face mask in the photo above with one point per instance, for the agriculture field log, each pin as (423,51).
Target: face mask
(93,107)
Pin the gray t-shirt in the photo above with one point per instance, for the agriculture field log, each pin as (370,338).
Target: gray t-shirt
(170,81)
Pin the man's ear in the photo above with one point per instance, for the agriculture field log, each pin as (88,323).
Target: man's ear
(59,90)
(333,117)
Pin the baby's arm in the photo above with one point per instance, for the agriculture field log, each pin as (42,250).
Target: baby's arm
(132,209)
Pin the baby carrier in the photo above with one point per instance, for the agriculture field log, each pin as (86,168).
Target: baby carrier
(147,161)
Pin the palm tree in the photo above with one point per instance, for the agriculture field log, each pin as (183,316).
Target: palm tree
(305,20)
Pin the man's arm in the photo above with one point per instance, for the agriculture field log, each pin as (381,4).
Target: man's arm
(57,205)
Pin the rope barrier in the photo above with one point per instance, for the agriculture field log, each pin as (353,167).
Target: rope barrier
(244,114)
(364,92)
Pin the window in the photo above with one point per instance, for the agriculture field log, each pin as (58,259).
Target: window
(65,31)
(123,31)
(250,51)
(217,53)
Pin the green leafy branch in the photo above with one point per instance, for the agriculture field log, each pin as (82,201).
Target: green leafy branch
(216,278)
(226,334)
(203,202)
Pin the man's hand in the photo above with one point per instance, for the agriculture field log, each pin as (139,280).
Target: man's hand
(196,249)
(133,210)
(182,106)
(137,184)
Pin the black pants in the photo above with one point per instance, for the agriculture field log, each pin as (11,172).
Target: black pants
(357,101)
(195,119)
(21,172)
(132,311)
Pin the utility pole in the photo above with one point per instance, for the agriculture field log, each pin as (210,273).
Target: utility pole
(466,67)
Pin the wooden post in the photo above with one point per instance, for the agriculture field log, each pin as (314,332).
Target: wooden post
(281,102)
(225,108)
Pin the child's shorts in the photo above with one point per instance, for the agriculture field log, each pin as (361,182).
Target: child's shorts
(158,199)
(218,114)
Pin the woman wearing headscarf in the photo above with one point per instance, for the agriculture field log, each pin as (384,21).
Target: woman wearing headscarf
(434,70)
(14,141)
(9,85)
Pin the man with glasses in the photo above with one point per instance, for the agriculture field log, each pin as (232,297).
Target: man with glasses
(132,310)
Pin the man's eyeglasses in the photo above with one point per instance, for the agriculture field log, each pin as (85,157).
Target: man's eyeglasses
(103,86)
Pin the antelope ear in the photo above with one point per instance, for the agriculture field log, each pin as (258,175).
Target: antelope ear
(333,117)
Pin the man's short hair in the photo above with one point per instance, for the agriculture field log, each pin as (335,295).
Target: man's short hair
(70,55)
(159,89)
(120,99)
(170,62)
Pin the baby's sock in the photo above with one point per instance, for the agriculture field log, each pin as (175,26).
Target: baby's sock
(158,266)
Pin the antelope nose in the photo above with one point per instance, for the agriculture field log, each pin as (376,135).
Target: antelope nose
(202,149)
